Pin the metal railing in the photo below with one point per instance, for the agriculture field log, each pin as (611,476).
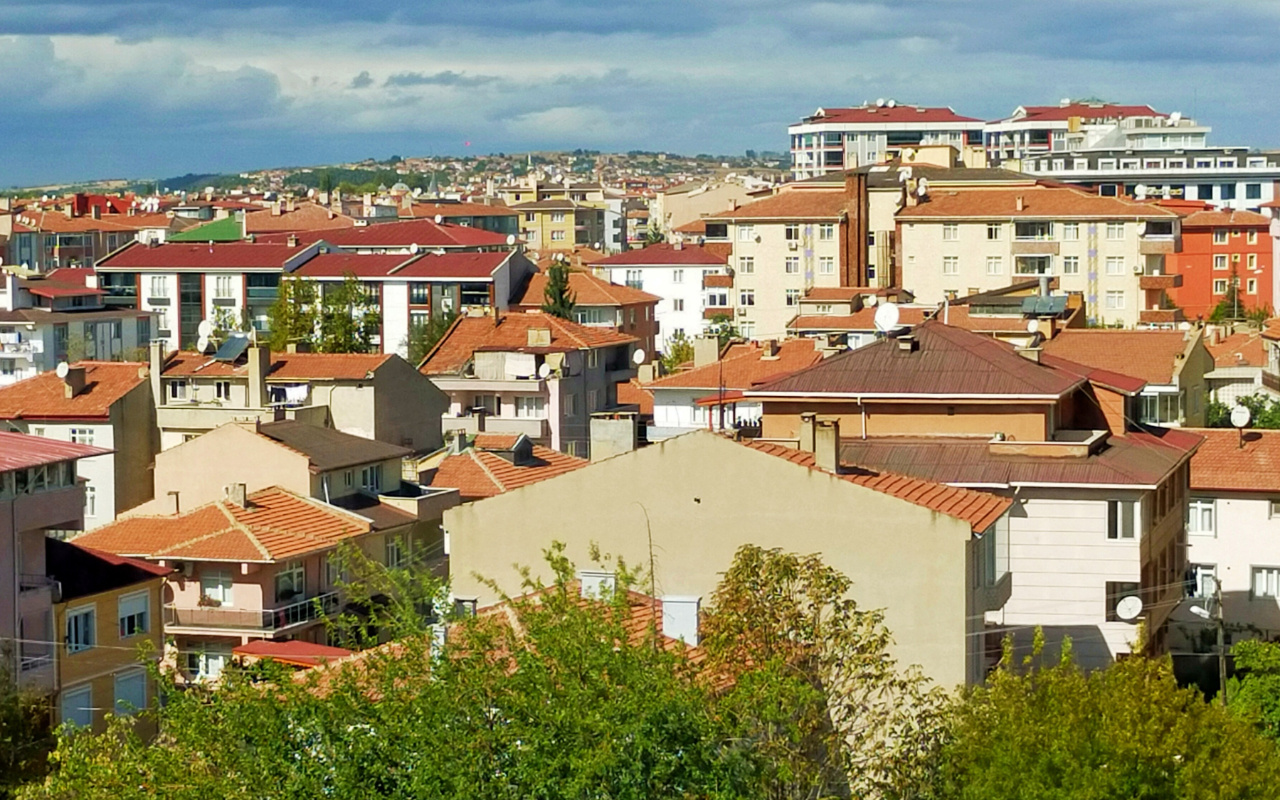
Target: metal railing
(271,619)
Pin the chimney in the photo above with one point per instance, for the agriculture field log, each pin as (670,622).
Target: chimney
(807,421)
(826,445)
(679,245)
(613,436)
(706,350)
(1019,203)
(73,383)
(298,347)
(155,361)
(292,240)
(769,349)
(275,208)
(1044,285)
(908,343)
(854,231)
(680,618)
(539,337)
(237,495)
(259,363)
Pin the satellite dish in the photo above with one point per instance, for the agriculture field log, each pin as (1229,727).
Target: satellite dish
(872,300)
(922,187)
(638,356)
(439,218)
(1129,607)
(544,371)
(204,329)
(879,102)
(1140,191)
(202,344)
(413,248)
(1033,326)
(511,238)
(886,317)
(63,369)
(1184,326)
(1240,417)
(891,103)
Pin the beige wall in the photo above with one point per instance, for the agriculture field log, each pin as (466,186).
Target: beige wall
(1027,423)
(671,210)
(407,408)
(705,496)
(137,442)
(769,279)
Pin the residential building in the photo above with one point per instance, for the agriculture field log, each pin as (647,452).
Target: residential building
(599,303)
(948,565)
(1099,506)
(43,240)
(835,139)
(561,224)
(1109,250)
(492,218)
(1221,249)
(404,237)
(261,565)
(676,206)
(532,374)
(1242,366)
(100,403)
(108,621)
(489,464)
(1173,364)
(368,395)
(60,316)
(1074,127)
(673,272)
(39,492)
(710,394)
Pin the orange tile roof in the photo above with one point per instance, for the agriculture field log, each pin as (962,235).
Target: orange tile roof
(284,366)
(588,290)
(744,366)
(664,254)
(293,652)
(1039,202)
(1213,217)
(57,222)
(1239,350)
(495,441)
(478,474)
(1221,464)
(277,524)
(43,396)
(862,319)
(448,210)
(632,393)
(304,217)
(1272,329)
(696,226)
(791,203)
(511,332)
(1149,355)
(717,281)
(979,509)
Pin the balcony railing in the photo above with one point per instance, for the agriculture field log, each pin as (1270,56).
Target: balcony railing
(268,619)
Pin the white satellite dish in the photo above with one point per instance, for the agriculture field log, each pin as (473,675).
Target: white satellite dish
(886,317)
(879,102)
(204,329)
(872,300)
(1033,326)
(413,248)
(62,370)
(1240,417)
(922,187)
(1129,607)
(439,218)
(638,356)
(1140,191)
(511,238)
(544,371)
(202,344)
(1184,326)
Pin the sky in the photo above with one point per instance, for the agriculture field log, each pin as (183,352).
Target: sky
(149,89)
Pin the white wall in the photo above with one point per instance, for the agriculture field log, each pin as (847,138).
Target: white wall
(168,312)
(99,471)
(662,281)
(395,318)
(675,412)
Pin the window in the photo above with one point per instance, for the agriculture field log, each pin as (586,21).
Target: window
(1253,191)
(177,390)
(131,691)
(77,706)
(531,234)
(1251,286)
(1033,265)
(1201,579)
(349,478)
(1220,261)
(793,265)
(291,582)
(207,664)
(1200,517)
(159,286)
(571,405)
(222,286)
(792,232)
(677,304)
(993,231)
(950,232)
(677,276)
(593,400)
(81,631)
(1227,191)
(1161,409)
(1252,260)
(635,279)
(216,586)
(1117,591)
(82,435)
(1220,236)
(394,547)
(746,264)
(222,390)
(1071,265)
(557,216)
(1115,265)
(531,406)
(793,297)
(486,403)
(1266,582)
(1115,231)
(748,330)
(746,297)
(746,233)
(1033,231)
(826,265)
(557,236)
(950,265)
(1071,231)
(371,478)
(593,356)
(826,232)
(1220,286)
(1120,519)
(1273,508)
(90,501)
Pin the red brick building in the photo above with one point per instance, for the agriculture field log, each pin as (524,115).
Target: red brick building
(1219,246)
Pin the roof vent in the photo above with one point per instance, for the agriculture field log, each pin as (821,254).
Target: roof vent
(908,343)
(1020,203)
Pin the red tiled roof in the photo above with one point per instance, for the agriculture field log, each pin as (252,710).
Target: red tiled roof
(511,332)
(425,233)
(284,366)
(340,264)
(1039,202)
(979,509)
(43,396)
(1216,218)
(791,203)
(495,441)
(1085,111)
(1124,384)
(1272,329)
(860,320)
(1221,464)
(305,217)
(663,254)
(588,290)
(1239,350)
(697,226)
(898,114)
(276,524)
(216,255)
(20,450)
(50,288)
(632,393)
(472,266)
(947,362)
(477,474)
(1149,355)
(448,210)
(294,652)
(744,366)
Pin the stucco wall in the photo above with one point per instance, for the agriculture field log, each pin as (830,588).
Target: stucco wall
(201,468)
(1026,423)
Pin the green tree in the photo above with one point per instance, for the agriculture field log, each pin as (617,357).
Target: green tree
(349,318)
(654,236)
(558,299)
(1254,692)
(1127,731)
(293,314)
(25,735)
(423,336)
(1230,307)
(324,181)
(1264,412)
(679,350)
(723,329)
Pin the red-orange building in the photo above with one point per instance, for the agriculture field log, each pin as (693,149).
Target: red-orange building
(1218,247)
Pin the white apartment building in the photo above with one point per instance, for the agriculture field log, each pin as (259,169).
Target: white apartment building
(964,241)
(673,272)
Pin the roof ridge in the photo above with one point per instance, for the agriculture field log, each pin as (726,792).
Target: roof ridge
(235,523)
(488,472)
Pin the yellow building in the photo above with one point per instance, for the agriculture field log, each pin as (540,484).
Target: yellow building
(558,216)
(108,632)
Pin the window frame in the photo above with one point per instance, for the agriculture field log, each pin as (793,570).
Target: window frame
(127,631)
(74,644)
(1122,521)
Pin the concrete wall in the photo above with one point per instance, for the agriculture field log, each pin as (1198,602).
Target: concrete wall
(706,496)
(406,408)
(137,443)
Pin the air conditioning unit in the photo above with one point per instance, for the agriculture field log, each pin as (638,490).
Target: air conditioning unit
(793,245)
(1137,269)
(742,312)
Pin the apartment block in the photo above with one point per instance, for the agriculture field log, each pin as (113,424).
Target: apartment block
(674,273)
(1221,250)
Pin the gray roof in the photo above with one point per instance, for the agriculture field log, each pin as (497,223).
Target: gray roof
(329,449)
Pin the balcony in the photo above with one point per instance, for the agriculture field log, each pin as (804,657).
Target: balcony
(1034,247)
(12,345)
(535,429)
(36,668)
(1149,246)
(1159,281)
(1161,316)
(268,619)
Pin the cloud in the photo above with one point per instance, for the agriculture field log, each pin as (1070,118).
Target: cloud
(444,78)
(361,81)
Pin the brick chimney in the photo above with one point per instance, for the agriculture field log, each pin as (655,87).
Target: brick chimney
(73,384)
(854,230)
(826,445)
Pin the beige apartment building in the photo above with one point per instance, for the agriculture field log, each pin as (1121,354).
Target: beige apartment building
(557,216)
(1109,250)
(679,205)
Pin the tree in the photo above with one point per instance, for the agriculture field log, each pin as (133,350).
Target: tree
(1254,692)
(324,181)
(349,318)
(293,314)
(1264,413)
(25,735)
(723,329)
(558,299)
(1230,307)
(654,236)
(1126,731)
(423,336)
(679,350)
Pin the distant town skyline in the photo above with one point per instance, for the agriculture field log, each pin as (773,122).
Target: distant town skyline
(112,88)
